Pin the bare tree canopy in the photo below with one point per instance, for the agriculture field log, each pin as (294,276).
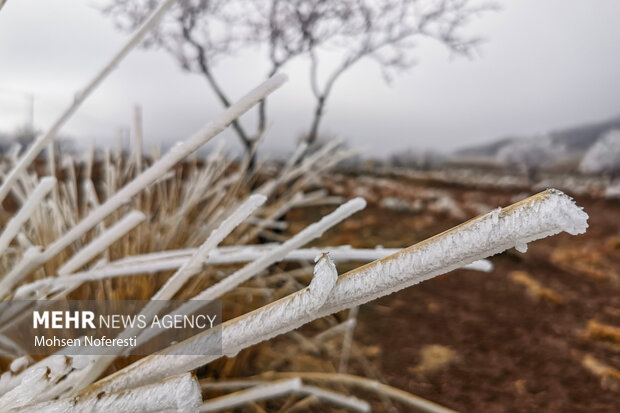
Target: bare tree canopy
(200,33)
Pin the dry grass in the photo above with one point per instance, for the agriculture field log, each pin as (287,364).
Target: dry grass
(535,289)
(609,376)
(603,332)
(434,358)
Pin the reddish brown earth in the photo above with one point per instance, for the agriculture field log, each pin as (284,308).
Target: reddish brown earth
(512,351)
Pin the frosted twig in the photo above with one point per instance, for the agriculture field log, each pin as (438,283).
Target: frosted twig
(367,384)
(102,242)
(283,314)
(347,341)
(262,392)
(335,330)
(179,278)
(158,169)
(539,216)
(348,402)
(19,271)
(245,253)
(265,391)
(34,201)
(36,381)
(173,260)
(309,233)
(40,143)
(137,137)
(176,394)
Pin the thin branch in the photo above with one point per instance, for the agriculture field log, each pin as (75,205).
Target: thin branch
(102,242)
(178,394)
(14,225)
(369,385)
(539,216)
(261,392)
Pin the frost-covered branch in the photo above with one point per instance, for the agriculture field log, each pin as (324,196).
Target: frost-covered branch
(265,391)
(309,233)
(176,394)
(262,392)
(364,383)
(539,216)
(32,203)
(102,242)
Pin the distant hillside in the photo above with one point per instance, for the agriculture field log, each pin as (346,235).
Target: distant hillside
(574,141)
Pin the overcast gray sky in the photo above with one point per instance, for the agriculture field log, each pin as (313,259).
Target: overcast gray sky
(546,64)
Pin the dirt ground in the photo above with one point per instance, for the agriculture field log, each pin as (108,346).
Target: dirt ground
(538,333)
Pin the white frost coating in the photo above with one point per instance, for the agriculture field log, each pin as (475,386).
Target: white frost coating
(169,260)
(9,381)
(103,241)
(300,306)
(194,264)
(278,389)
(172,260)
(309,233)
(35,382)
(521,247)
(604,155)
(262,392)
(32,203)
(158,169)
(539,216)
(176,394)
(39,144)
(19,364)
(480,265)
(312,231)
(348,402)
(19,270)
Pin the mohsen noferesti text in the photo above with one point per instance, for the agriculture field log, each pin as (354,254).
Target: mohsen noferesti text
(90,341)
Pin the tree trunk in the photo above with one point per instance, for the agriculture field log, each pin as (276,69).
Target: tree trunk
(316,120)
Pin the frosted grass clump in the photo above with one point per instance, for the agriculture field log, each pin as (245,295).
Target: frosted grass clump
(604,155)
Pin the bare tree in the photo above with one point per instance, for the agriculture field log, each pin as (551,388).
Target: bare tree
(201,33)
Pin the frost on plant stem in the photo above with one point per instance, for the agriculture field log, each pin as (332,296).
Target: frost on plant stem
(539,216)
(173,260)
(34,201)
(175,394)
(262,392)
(103,241)
(309,233)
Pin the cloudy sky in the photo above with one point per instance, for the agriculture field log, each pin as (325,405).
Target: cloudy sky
(546,64)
